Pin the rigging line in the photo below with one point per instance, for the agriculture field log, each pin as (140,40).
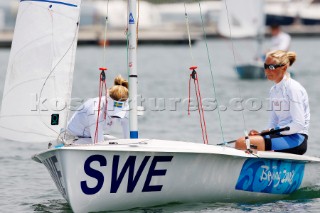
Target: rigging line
(203,132)
(73,42)
(15,58)
(98,116)
(102,78)
(127,20)
(194,76)
(53,49)
(137,31)
(105,60)
(201,111)
(105,36)
(70,89)
(102,85)
(188,29)
(15,130)
(211,71)
(231,47)
(235,61)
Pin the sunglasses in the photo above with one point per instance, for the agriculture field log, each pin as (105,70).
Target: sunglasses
(272,66)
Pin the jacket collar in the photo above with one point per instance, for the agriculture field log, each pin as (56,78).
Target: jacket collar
(282,83)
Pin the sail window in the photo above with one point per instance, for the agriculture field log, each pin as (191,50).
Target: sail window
(55,119)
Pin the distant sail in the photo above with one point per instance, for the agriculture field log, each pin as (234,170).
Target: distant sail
(38,83)
(246,18)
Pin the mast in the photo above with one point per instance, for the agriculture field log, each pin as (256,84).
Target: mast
(133,77)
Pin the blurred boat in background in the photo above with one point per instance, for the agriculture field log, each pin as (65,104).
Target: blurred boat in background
(164,23)
(245,19)
(290,12)
(173,13)
(310,14)
(283,12)
(152,30)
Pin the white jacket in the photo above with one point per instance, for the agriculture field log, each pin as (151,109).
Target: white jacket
(83,121)
(280,42)
(290,107)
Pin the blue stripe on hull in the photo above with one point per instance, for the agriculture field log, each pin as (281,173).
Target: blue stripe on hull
(307,21)
(279,20)
(133,134)
(53,2)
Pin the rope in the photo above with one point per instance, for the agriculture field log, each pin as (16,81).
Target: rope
(235,62)
(212,78)
(203,125)
(194,76)
(102,86)
(102,79)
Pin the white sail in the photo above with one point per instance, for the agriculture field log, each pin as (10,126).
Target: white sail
(40,70)
(246,18)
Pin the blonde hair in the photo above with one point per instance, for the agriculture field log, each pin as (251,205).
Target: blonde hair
(119,91)
(283,57)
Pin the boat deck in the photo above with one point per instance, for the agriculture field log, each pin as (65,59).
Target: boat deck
(155,145)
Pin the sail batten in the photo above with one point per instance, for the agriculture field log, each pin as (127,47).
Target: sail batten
(38,84)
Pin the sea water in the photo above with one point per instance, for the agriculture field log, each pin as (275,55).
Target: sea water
(163,70)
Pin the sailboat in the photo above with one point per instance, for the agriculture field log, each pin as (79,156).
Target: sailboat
(120,174)
(308,12)
(245,19)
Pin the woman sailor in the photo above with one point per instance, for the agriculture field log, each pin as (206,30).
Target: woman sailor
(85,123)
(290,107)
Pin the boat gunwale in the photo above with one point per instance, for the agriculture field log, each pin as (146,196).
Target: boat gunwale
(142,145)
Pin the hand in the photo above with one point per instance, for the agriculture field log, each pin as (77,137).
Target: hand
(253,132)
(268,130)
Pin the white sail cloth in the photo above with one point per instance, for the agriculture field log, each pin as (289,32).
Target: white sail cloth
(40,70)
(244,18)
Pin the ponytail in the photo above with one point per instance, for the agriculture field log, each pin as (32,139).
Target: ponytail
(121,81)
(119,91)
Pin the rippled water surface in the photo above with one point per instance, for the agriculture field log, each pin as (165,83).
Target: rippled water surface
(25,186)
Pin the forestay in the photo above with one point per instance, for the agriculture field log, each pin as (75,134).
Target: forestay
(246,18)
(38,83)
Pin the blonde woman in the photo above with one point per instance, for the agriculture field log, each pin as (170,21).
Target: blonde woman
(290,107)
(83,123)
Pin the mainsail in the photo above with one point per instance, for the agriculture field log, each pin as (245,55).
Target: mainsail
(243,18)
(38,83)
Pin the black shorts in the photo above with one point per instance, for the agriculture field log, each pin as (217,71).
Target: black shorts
(294,144)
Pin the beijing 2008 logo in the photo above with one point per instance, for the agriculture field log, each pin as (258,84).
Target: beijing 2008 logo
(270,176)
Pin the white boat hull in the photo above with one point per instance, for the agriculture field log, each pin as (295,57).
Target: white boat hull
(139,173)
